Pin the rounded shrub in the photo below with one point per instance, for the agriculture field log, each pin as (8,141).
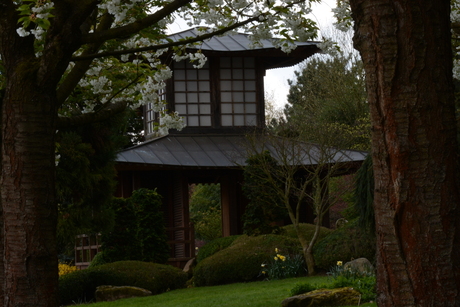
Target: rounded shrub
(307,229)
(157,278)
(344,244)
(242,260)
(214,246)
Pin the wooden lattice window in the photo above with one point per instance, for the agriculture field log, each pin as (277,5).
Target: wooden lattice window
(192,94)
(238,91)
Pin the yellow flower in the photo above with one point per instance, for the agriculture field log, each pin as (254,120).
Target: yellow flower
(66,268)
(276,258)
(263,265)
(263,272)
(276,250)
(281,257)
(339,263)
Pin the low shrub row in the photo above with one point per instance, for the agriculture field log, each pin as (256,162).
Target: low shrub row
(80,286)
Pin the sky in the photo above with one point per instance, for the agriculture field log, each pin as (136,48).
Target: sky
(276,80)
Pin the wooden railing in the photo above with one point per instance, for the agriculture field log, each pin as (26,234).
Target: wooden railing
(86,247)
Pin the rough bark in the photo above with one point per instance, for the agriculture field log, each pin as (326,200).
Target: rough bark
(29,208)
(405,46)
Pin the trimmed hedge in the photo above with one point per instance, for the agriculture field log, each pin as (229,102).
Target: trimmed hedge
(80,286)
(344,244)
(214,246)
(242,260)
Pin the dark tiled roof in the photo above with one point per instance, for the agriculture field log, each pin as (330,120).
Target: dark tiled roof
(229,42)
(213,151)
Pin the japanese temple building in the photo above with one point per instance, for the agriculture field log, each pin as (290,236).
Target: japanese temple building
(220,103)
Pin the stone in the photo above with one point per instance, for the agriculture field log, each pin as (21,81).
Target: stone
(324,297)
(113,293)
(340,223)
(361,265)
(188,266)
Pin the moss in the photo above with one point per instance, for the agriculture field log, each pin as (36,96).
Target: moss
(325,297)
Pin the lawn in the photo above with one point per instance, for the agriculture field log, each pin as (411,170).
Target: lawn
(254,294)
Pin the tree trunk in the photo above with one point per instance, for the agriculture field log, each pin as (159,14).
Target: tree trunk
(406,50)
(27,193)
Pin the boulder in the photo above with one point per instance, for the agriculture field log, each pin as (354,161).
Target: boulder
(113,293)
(361,265)
(324,297)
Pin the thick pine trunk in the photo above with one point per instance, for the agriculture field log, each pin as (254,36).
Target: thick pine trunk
(27,194)
(405,46)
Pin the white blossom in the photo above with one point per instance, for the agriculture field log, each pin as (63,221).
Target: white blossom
(22,32)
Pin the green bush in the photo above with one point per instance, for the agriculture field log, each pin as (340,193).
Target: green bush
(120,244)
(263,192)
(139,232)
(151,226)
(242,260)
(157,278)
(97,260)
(307,229)
(214,246)
(344,244)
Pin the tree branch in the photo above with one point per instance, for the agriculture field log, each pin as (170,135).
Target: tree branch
(93,117)
(167,45)
(79,70)
(136,26)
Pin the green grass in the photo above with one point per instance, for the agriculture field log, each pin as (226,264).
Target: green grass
(254,294)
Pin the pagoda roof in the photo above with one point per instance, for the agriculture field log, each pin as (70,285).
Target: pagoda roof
(215,151)
(239,44)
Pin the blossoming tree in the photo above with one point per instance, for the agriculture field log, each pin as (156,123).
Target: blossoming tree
(77,61)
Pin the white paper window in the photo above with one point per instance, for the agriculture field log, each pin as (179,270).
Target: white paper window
(238,93)
(192,95)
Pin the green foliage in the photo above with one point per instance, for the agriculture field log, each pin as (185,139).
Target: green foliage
(120,243)
(151,227)
(346,243)
(284,266)
(301,288)
(157,278)
(364,283)
(240,262)
(139,232)
(205,211)
(98,260)
(265,205)
(214,246)
(329,95)
(85,179)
